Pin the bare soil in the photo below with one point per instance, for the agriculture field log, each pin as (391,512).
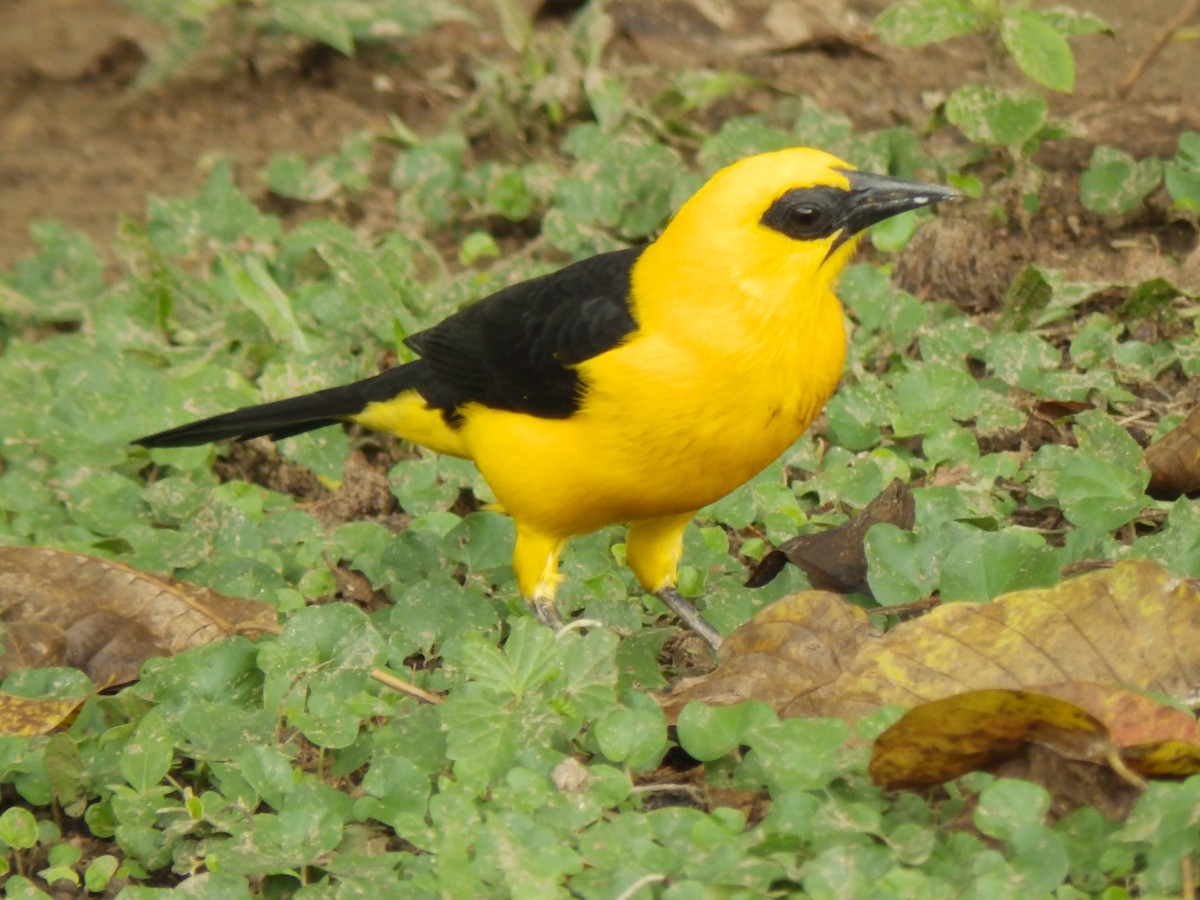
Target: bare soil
(79,144)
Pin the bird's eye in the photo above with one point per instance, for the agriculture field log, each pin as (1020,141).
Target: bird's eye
(806,214)
(804,218)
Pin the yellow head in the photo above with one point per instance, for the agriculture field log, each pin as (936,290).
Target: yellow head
(774,229)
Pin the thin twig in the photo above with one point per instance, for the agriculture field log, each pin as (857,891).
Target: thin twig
(644,881)
(667,787)
(1164,37)
(1123,771)
(396,683)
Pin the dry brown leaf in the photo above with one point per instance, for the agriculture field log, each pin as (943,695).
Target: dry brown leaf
(1134,624)
(993,685)
(1174,460)
(1131,718)
(1163,759)
(105,618)
(711,31)
(1055,411)
(944,739)
(812,654)
(835,560)
(1130,733)
(793,648)
(25,717)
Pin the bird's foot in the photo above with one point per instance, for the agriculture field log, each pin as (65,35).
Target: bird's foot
(547,613)
(690,616)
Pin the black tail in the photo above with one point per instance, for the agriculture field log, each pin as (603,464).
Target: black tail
(284,418)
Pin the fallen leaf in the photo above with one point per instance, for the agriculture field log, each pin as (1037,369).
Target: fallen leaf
(106,618)
(797,647)
(952,476)
(835,560)
(813,654)
(1133,624)
(1174,460)
(1132,734)
(1164,759)
(1056,411)
(1131,717)
(26,717)
(720,31)
(945,739)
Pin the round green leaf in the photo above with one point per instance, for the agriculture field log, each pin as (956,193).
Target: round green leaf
(1101,494)
(987,115)
(1039,49)
(709,732)
(18,828)
(902,566)
(916,23)
(632,735)
(1007,804)
(1183,184)
(100,872)
(1115,182)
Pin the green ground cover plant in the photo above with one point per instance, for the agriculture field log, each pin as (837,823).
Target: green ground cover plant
(996,113)
(281,767)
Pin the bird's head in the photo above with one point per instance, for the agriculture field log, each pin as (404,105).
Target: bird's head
(789,215)
(830,203)
(750,261)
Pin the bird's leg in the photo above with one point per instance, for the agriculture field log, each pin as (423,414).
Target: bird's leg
(652,550)
(547,613)
(535,560)
(690,616)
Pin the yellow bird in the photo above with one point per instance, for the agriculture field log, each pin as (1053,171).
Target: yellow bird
(635,386)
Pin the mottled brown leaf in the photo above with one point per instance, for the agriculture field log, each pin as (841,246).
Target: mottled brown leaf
(1134,624)
(944,739)
(1131,718)
(835,560)
(681,32)
(1174,460)
(26,717)
(795,648)
(1163,759)
(1130,733)
(813,654)
(105,618)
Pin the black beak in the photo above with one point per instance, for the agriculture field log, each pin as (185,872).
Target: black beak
(874,198)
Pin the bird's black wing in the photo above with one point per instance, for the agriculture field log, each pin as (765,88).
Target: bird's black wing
(517,349)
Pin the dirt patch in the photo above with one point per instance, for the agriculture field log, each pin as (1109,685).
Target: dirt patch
(79,145)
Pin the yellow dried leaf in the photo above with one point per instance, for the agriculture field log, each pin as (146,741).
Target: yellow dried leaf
(1134,624)
(813,654)
(941,740)
(25,717)
(1163,759)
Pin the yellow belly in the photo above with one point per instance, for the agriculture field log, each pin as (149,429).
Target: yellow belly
(660,432)
(665,426)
